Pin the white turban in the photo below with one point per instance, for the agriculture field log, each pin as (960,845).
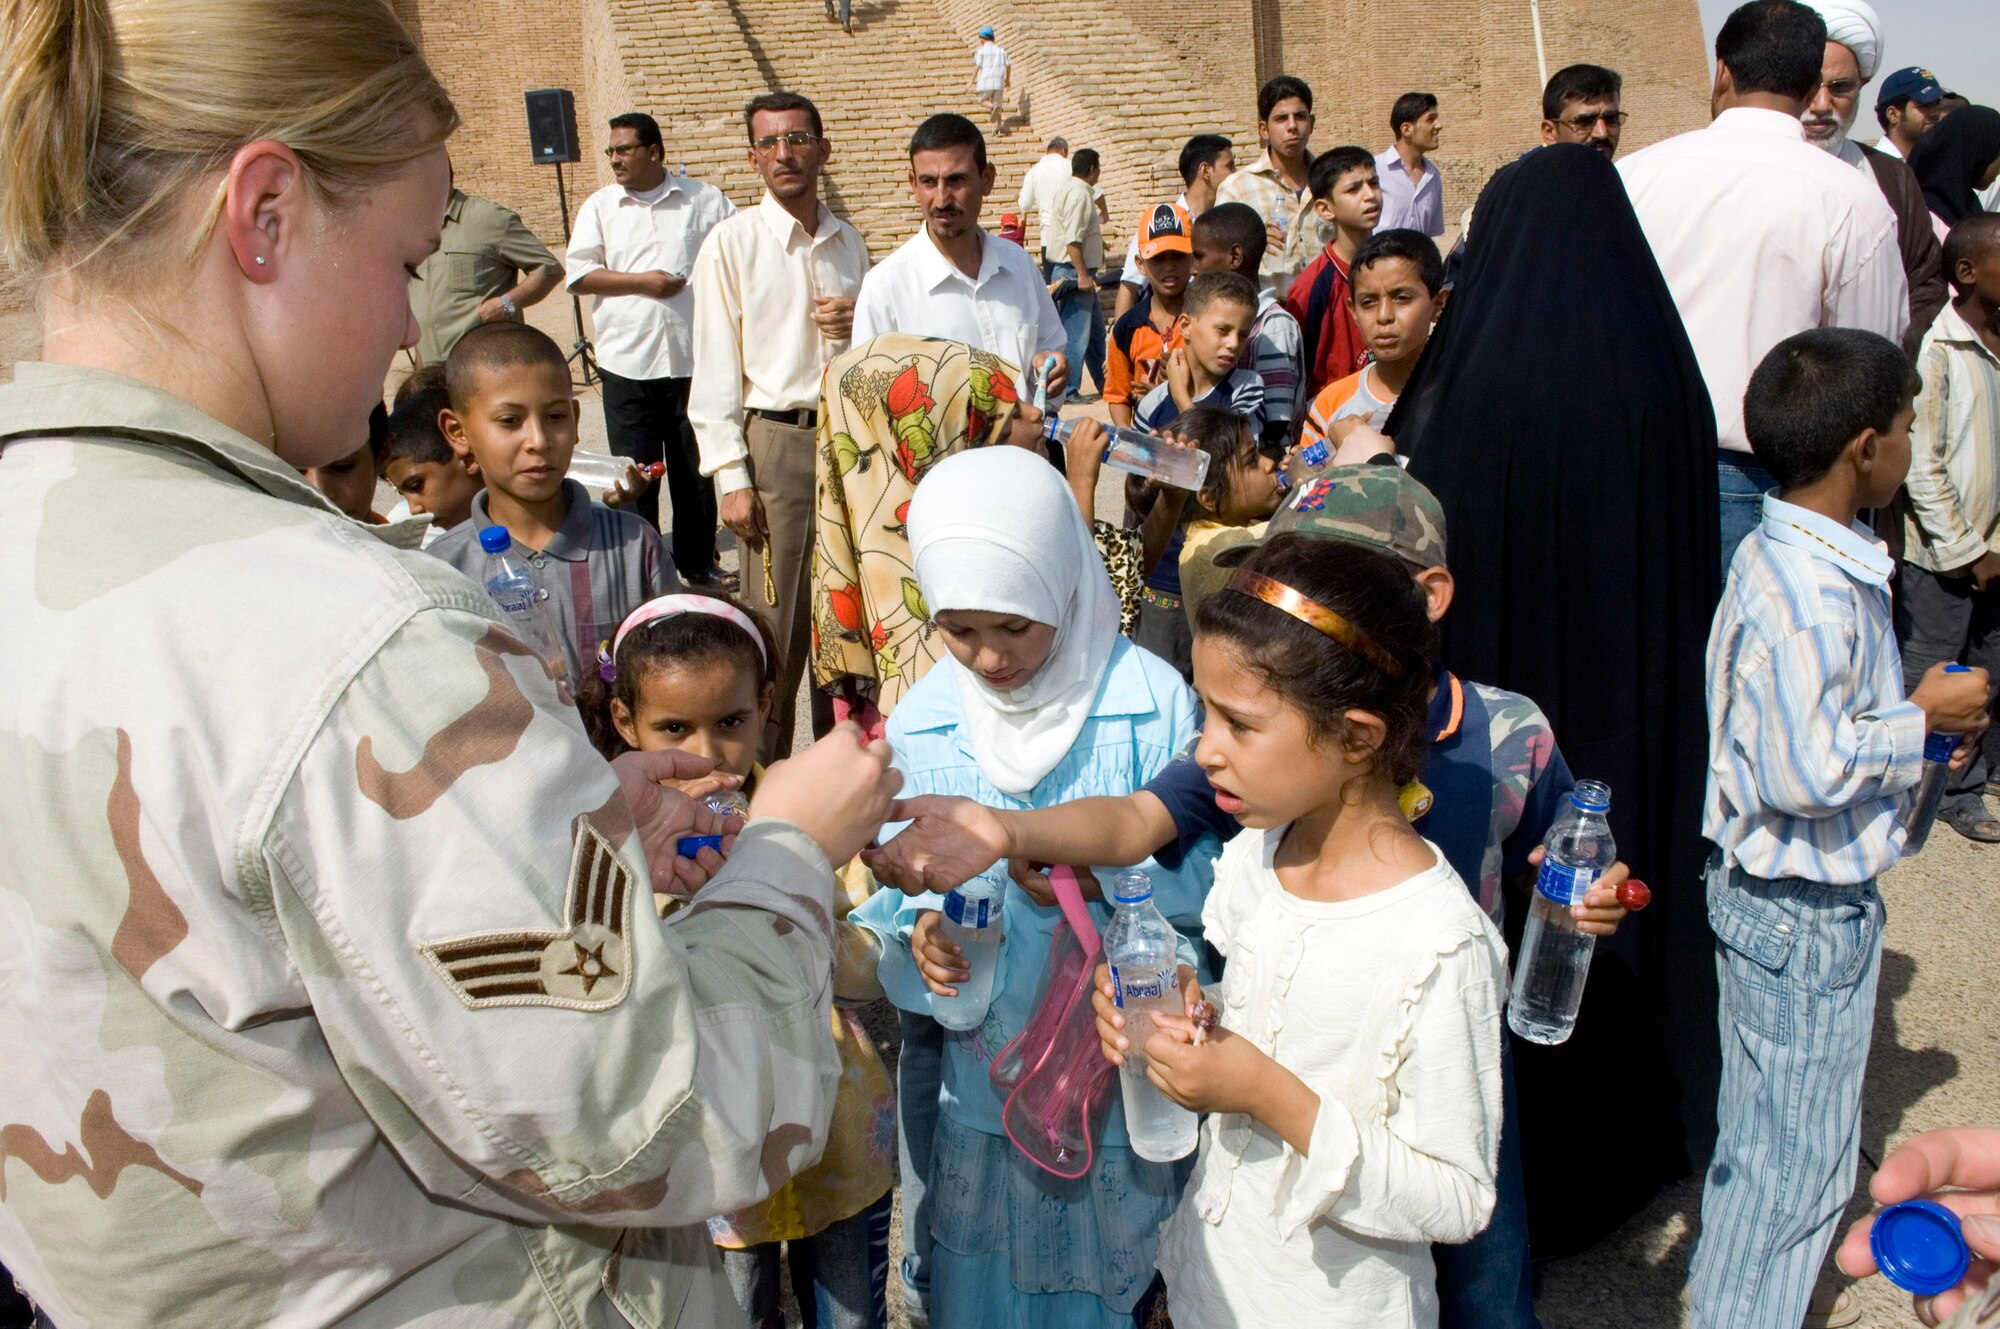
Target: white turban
(1854,24)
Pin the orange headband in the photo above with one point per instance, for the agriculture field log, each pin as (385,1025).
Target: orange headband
(1316,616)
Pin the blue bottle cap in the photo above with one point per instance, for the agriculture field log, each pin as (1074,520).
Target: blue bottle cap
(1918,1246)
(495,540)
(690,846)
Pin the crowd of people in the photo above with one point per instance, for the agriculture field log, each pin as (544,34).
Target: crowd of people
(383,952)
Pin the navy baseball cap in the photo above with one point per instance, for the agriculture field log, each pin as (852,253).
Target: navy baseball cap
(1919,85)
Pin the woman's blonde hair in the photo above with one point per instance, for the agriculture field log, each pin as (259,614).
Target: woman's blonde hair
(112,111)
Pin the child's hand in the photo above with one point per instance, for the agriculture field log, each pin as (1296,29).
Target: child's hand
(1180,377)
(1359,443)
(948,842)
(938,958)
(1083,459)
(1954,703)
(1111,1021)
(1599,913)
(1036,884)
(1224,1073)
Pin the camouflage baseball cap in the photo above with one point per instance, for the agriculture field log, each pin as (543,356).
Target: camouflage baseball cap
(1370,504)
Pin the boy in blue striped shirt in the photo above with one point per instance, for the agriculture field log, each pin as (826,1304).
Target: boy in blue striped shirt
(1813,750)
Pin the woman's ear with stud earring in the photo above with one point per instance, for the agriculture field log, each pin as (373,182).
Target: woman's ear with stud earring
(260,260)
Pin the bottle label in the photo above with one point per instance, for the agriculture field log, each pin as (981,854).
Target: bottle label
(974,915)
(1939,747)
(1138,984)
(1564,884)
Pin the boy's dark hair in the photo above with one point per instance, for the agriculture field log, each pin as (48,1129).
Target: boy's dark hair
(1774,46)
(1410,108)
(645,126)
(1282,88)
(1208,288)
(1236,225)
(414,434)
(1400,242)
(1970,241)
(682,639)
(1321,677)
(1815,391)
(1580,83)
(1223,434)
(1082,162)
(946,130)
(1198,152)
(774,102)
(1323,176)
(500,345)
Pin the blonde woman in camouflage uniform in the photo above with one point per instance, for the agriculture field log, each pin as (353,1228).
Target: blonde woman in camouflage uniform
(330,990)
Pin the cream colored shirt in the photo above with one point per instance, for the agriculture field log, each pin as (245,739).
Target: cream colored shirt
(754,338)
(1954,450)
(1073,220)
(1038,189)
(636,335)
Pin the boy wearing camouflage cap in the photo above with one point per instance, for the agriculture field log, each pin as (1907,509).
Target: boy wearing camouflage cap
(1496,782)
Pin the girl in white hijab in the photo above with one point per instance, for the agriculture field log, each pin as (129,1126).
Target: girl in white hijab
(1041,702)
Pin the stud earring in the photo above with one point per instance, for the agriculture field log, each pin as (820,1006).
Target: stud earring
(260,260)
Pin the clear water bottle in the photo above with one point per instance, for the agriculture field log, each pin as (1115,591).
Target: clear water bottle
(1555,952)
(1139,945)
(724,802)
(1309,458)
(522,602)
(972,921)
(1930,787)
(598,471)
(1144,455)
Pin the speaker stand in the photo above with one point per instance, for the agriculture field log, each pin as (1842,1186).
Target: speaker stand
(580,354)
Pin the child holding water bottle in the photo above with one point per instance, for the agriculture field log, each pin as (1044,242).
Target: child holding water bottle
(697,672)
(1336,1150)
(1040,702)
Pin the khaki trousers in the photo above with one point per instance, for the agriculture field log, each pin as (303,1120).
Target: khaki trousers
(781,470)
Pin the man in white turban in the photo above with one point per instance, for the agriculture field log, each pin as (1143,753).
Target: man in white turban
(1853,51)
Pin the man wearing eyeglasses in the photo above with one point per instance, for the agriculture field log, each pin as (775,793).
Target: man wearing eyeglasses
(774,292)
(1580,105)
(633,246)
(1853,50)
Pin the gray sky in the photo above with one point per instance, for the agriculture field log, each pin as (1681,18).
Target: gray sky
(1958,40)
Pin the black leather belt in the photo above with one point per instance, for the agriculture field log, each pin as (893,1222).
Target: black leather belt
(803,418)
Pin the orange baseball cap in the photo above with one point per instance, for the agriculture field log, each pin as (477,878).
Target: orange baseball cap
(1165,228)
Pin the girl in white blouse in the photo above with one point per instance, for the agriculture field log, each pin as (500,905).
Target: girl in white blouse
(1353,1083)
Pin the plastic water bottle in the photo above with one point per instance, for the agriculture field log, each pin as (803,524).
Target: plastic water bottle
(597,471)
(1555,953)
(1930,788)
(972,921)
(1309,458)
(1144,455)
(522,601)
(1139,944)
(725,802)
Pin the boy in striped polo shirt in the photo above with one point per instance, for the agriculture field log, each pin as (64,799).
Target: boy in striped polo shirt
(1813,749)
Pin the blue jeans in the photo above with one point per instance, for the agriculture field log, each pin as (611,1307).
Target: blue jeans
(1798,963)
(1743,484)
(919,1082)
(1083,323)
(840,1275)
(1487,1283)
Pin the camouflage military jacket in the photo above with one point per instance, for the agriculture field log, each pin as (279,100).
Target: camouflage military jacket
(330,988)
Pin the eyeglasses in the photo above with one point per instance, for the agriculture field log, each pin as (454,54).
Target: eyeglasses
(1842,88)
(1589,120)
(617,150)
(798,138)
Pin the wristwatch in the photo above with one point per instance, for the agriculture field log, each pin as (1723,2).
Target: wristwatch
(509,308)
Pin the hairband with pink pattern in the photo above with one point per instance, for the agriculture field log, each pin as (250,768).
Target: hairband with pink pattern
(672,606)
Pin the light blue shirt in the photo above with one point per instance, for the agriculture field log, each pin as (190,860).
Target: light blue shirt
(1416,205)
(1812,744)
(1142,716)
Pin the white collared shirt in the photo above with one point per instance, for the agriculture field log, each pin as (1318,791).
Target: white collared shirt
(636,335)
(754,338)
(1005,310)
(1760,235)
(1038,190)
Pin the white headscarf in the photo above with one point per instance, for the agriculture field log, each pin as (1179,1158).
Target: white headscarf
(995,530)
(1854,24)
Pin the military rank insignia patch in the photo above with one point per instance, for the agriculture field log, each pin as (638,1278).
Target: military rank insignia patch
(584,967)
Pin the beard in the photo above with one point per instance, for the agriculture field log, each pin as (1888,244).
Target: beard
(1840,126)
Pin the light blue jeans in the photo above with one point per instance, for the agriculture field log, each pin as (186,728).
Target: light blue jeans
(1083,325)
(1742,483)
(1798,963)
(919,1082)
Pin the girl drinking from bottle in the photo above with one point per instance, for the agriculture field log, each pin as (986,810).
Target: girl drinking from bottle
(697,672)
(1040,701)
(1354,1079)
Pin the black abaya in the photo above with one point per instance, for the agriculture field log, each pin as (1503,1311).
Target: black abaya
(1951,159)
(1560,418)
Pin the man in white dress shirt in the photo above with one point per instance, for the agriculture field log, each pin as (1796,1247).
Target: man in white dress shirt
(1760,234)
(952,279)
(1038,191)
(774,293)
(633,247)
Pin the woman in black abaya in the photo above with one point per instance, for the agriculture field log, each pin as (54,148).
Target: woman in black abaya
(1560,418)
(1956,159)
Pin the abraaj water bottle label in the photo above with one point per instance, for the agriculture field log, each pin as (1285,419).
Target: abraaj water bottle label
(1138,984)
(1564,884)
(972,914)
(1939,747)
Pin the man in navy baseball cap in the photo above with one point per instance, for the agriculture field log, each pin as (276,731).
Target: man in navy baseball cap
(1907,104)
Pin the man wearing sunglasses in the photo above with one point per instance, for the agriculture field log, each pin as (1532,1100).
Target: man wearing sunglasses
(774,296)
(1853,51)
(1580,105)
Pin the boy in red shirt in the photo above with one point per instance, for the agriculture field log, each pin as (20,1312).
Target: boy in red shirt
(1347,195)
